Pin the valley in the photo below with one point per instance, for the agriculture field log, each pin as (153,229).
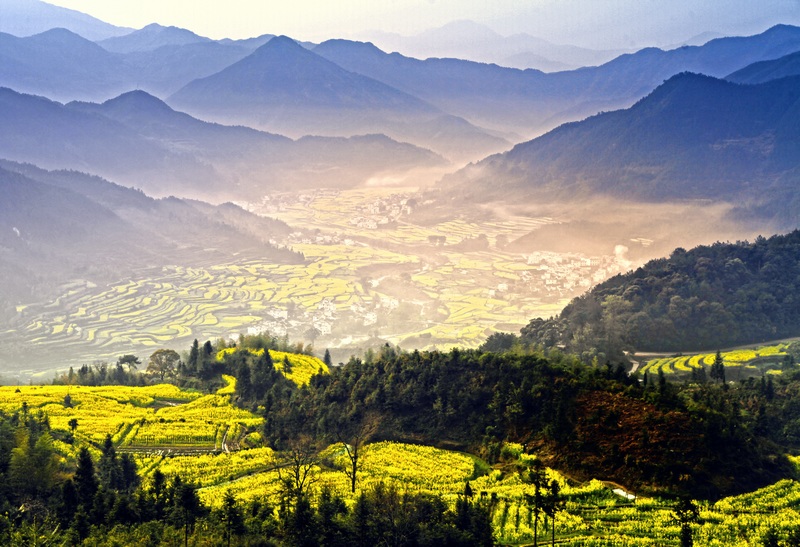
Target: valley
(266,290)
(370,273)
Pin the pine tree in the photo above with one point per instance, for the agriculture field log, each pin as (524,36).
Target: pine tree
(718,368)
(85,481)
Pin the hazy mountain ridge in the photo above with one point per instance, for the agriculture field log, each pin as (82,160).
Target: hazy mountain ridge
(764,71)
(461,109)
(151,37)
(529,101)
(470,40)
(288,89)
(680,142)
(139,140)
(62,65)
(28,17)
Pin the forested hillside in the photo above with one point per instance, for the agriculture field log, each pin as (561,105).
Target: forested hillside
(586,421)
(709,297)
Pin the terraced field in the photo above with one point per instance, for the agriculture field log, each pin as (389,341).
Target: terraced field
(437,285)
(739,362)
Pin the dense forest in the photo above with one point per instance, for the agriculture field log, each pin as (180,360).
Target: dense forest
(705,438)
(706,298)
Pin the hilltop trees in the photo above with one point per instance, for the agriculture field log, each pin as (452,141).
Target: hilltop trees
(163,362)
(721,295)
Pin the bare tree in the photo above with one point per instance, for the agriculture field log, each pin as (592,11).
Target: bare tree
(297,467)
(354,435)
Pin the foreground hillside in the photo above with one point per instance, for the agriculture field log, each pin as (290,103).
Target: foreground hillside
(587,421)
(114,464)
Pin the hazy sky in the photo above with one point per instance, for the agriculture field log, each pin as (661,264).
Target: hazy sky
(594,23)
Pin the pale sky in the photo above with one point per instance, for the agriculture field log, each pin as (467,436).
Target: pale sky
(592,23)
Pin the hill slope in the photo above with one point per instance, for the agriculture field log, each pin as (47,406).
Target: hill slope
(709,297)
(764,71)
(139,140)
(60,227)
(694,137)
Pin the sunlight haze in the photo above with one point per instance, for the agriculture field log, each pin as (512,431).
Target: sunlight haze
(606,24)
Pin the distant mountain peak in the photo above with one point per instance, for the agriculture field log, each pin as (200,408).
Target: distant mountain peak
(351,46)
(151,37)
(155,28)
(139,100)
(60,33)
(281,41)
(29,17)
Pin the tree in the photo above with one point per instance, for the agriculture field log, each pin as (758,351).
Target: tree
(770,538)
(130,361)
(354,436)
(327,359)
(163,363)
(108,467)
(231,517)
(717,371)
(33,465)
(331,510)
(554,502)
(85,480)
(295,468)
(535,476)
(187,507)
(194,355)
(261,374)
(686,512)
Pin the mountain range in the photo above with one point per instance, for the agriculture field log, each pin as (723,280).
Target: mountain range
(530,102)
(694,138)
(466,39)
(137,139)
(286,88)
(461,109)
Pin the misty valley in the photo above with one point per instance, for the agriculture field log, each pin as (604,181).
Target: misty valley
(269,291)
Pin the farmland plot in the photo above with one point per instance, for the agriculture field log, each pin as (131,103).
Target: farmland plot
(362,279)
